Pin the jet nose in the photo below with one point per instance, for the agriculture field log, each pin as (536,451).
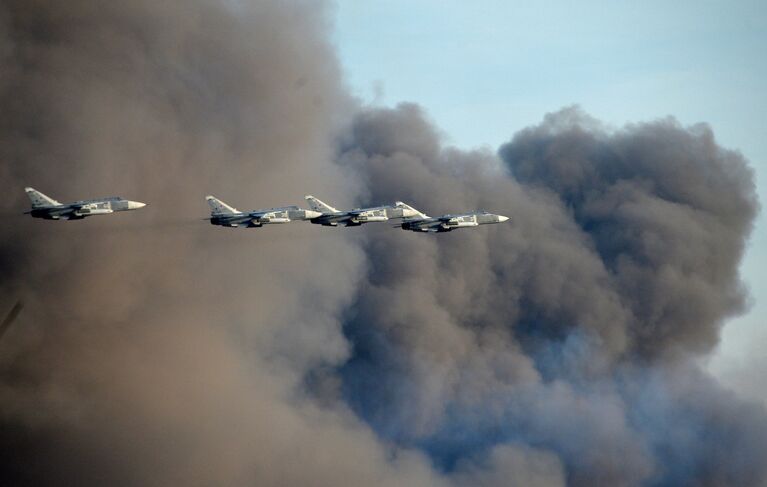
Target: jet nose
(135,205)
(502,218)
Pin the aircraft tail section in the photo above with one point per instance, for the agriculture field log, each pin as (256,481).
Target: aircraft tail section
(218,207)
(39,199)
(412,212)
(318,205)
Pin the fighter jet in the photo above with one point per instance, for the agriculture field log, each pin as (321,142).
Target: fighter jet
(46,207)
(331,217)
(446,223)
(227,216)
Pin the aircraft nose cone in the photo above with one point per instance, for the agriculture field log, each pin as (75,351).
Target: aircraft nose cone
(135,205)
(502,218)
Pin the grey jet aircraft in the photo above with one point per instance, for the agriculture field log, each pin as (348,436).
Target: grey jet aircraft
(46,207)
(227,216)
(446,223)
(331,217)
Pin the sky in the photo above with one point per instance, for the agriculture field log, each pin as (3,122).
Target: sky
(484,70)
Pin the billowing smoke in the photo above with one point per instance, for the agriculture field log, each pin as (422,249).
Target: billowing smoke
(560,347)
(154,349)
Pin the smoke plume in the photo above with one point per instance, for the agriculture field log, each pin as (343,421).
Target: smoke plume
(155,349)
(561,346)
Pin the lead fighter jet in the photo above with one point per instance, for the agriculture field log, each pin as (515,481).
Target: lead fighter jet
(227,216)
(331,217)
(446,223)
(46,207)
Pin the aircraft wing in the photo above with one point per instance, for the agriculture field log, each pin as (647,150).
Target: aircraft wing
(339,217)
(62,212)
(57,210)
(423,222)
(266,213)
(237,219)
(96,207)
(273,215)
(252,217)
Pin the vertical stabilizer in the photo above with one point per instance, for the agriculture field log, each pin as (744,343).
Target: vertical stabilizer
(218,207)
(39,199)
(416,214)
(318,205)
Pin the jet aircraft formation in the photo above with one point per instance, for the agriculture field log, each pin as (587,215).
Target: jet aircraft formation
(320,213)
(323,214)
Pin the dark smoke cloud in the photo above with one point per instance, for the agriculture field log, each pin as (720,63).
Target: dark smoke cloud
(666,210)
(559,346)
(10,318)
(155,350)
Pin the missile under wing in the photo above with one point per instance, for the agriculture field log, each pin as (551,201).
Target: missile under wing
(329,216)
(49,209)
(446,223)
(228,216)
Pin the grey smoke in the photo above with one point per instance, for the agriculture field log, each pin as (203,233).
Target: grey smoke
(573,331)
(557,349)
(10,318)
(156,351)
